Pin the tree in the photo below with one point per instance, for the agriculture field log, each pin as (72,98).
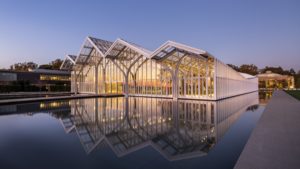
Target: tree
(56,64)
(25,66)
(297,82)
(278,70)
(297,79)
(234,67)
(292,72)
(249,69)
(45,66)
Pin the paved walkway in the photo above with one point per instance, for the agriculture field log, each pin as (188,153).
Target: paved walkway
(275,141)
(37,99)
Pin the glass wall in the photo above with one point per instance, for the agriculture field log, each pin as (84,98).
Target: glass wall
(196,78)
(149,78)
(86,80)
(110,78)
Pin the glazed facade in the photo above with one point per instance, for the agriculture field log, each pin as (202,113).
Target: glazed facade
(173,71)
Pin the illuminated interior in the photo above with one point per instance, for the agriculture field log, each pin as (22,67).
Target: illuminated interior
(270,80)
(173,71)
(54,78)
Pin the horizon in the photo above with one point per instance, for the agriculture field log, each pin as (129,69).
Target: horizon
(256,32)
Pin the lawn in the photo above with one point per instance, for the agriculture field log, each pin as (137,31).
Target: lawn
(294,93)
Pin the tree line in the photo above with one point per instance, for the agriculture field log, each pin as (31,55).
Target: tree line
(27,66)
(253,69)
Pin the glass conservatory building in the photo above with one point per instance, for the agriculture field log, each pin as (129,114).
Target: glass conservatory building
(173,71)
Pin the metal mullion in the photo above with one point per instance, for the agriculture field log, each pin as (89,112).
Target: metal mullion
(192,81)
(199,69)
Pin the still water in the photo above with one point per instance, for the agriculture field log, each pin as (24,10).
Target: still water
(137,132)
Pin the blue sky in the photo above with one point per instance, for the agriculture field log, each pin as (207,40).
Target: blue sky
(263,32)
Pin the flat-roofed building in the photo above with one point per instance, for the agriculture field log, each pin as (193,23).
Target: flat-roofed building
(38,79)
(270,80)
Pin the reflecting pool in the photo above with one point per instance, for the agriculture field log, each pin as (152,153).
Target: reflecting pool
(137,132)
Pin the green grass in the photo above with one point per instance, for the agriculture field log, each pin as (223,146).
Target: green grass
(294,93)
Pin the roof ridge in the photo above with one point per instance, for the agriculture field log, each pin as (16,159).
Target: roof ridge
(101,44)
(91,37)
(137,45)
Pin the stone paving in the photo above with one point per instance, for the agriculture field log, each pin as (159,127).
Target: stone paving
(275,141)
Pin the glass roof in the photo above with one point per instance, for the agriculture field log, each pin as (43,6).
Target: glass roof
(121,47)
(73,57)
(138,46)
(85,52)
(68,62)
(116,50)
(169,51)
(102,45)
(67,65)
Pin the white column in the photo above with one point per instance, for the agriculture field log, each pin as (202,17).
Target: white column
(206,79)
(96,79)
(75,85)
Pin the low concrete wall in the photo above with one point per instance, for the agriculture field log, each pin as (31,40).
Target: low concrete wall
(38,99)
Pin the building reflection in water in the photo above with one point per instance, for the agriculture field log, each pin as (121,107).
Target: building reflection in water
(265,96)
(176,129)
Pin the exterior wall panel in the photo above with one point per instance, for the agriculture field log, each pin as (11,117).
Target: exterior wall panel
(231,83)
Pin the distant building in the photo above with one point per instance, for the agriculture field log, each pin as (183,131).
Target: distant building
(35,80)
(270,80)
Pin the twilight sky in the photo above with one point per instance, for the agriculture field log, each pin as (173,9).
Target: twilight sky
(263,32)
